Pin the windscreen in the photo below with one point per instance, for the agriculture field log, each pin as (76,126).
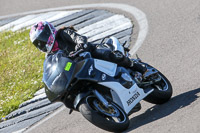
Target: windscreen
(57,74)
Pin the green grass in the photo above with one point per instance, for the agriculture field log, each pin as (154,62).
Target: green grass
(21,67)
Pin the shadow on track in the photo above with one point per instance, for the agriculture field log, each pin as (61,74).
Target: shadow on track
(160,111)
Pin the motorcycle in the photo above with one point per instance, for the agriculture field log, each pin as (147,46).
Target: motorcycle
(103,92)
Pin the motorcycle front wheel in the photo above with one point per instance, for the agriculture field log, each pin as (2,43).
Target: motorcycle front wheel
(111,118)
(162,91)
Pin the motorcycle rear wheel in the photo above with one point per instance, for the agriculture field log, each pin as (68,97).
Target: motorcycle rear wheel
(112,119)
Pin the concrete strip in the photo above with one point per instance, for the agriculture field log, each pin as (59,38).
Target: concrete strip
(22,125)
(40,17)
(29,116)
(8,20)
(72,17)
(103,25)
(100,24)
(39,92)
(22,22)
(29,108)
(83,18)
(123,33)
(33,100)
(94,20)
(17,22)
(111,31)
(62,14)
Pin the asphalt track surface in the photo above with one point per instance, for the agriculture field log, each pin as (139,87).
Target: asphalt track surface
(172,46)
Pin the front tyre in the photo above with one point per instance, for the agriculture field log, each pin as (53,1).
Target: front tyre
(112,119)
(162,91)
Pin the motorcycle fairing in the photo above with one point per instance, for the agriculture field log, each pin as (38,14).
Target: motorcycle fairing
(106,67)
(57,74)
(126,98)
(59,71)
(94,69)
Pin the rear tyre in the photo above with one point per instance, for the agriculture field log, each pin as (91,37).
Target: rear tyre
(112,119)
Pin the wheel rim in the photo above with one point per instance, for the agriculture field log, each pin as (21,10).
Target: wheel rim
(112,113)
(163,85)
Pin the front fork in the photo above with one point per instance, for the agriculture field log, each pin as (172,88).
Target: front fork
(101,98)
(81,96)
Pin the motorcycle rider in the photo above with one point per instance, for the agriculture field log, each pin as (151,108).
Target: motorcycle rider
(47,39)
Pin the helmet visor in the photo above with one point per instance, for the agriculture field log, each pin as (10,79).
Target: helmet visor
(44,35)
(42,39)
(40,45)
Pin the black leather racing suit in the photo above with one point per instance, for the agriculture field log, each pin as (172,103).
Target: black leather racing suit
(68,39)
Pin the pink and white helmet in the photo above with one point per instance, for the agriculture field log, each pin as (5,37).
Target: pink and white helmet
(42,35)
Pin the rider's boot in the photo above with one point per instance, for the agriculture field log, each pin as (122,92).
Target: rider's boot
(120,59)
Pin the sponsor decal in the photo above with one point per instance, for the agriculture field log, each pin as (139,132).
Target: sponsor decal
(133,98)
(103,77)
(90,70)
(68,66)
